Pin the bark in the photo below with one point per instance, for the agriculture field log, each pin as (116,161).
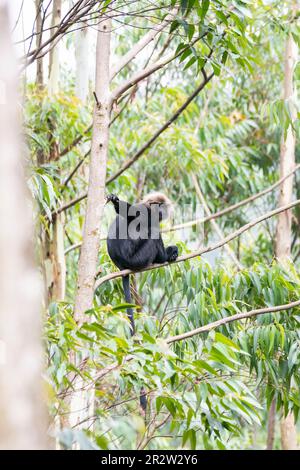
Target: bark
(82,63)
(58,260)
(287,157)
(284,225)
(271,425)
(82,401)
(39,37)
(53,85)
(288,433)
(23,417)
(97,174)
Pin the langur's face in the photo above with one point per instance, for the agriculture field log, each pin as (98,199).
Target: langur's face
(161,210)
(159,204)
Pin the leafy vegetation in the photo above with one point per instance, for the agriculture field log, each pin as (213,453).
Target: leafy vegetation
(214,389)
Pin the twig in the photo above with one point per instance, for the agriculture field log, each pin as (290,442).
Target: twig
(179,111)
(96,99)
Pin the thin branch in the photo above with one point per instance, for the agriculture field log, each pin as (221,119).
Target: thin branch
(72,247)
(232,318)
(214,224)
(70,204)
(140,152)
(149,70)
(200,252)
(205,329)
(141,44)
(234,206)
(215,215)
(179,111)
(75,142)
(75,169)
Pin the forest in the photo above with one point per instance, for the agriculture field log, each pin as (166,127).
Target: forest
(105,101)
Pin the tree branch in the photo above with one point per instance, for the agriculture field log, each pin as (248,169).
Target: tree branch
(140,152)
(76,141)
(200,252)
(179,111)
(149,70)
(214,224)
(141,44)
(215,215)
(234,206)
(205,329)
(237,316)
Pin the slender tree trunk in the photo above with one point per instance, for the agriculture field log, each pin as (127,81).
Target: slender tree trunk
(23,417)
(53,85)
(287,158)
(97,174)
(56,248)
(283,231)
(271,425)
(82,63)
(39,37)
(82,402)
(58,261)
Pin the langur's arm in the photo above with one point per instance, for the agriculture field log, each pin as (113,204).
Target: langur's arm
(121,207)
(126,210)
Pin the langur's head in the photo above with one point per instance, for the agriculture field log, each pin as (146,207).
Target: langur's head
(162,201)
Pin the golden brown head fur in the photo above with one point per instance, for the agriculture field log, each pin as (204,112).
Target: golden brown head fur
(161,199)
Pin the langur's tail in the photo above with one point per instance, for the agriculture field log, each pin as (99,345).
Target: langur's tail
(126,287)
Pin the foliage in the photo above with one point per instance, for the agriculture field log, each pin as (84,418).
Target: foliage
(210,390)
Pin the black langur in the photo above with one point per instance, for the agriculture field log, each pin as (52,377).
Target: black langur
(134,240)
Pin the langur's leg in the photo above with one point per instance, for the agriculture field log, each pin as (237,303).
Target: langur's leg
(163,254)
(143,256)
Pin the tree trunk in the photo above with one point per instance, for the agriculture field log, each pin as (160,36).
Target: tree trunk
(23,417)
(287,158)
(53,85)
(97,174)
(288,433)
(58,260)
(283,231)
(39,37)
(82,63)
(82,401)
(271,425)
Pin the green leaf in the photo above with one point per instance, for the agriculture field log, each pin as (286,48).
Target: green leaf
(204,8)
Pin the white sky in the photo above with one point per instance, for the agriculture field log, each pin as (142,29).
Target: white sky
(24,29)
